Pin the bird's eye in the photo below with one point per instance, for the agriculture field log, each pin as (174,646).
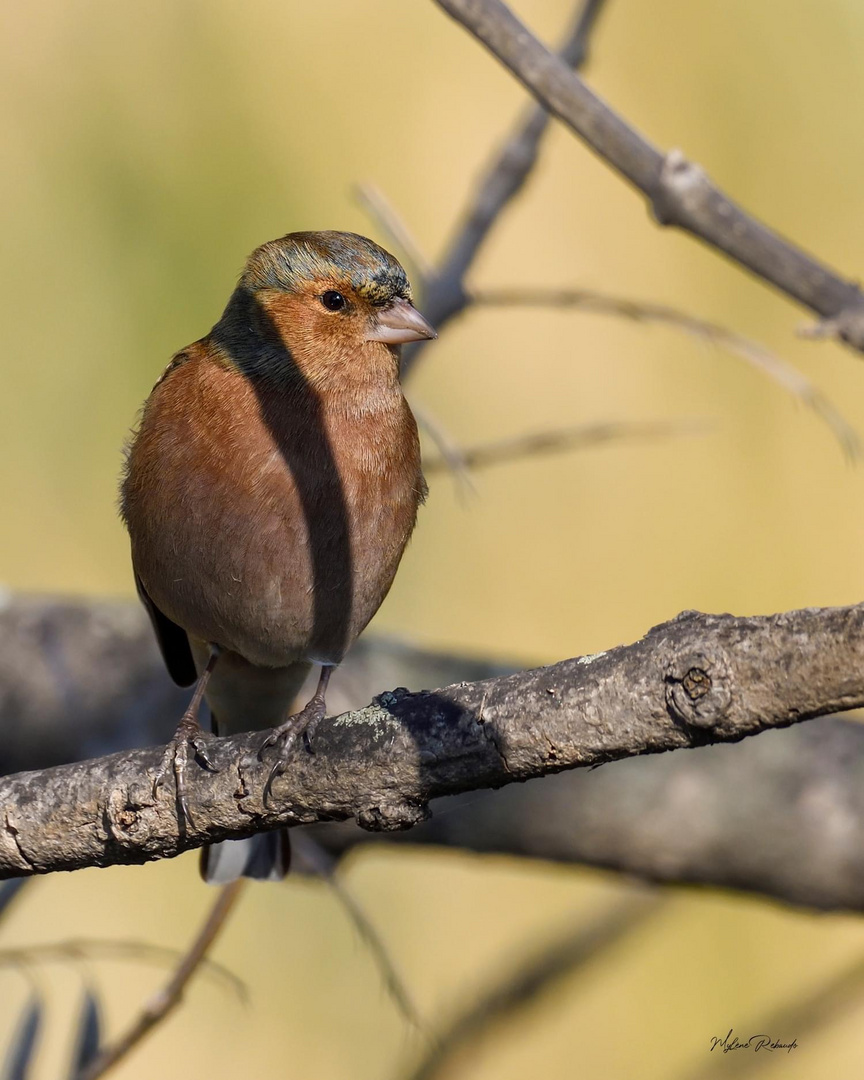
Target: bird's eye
(333,301)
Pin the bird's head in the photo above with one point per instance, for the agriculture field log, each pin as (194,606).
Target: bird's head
(335,287)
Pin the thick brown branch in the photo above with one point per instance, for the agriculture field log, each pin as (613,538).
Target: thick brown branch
(781,816)
(81,678)
(680,192)
(695,680)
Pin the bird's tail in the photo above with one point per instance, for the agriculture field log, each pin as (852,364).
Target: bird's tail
(246,697)
(264,857)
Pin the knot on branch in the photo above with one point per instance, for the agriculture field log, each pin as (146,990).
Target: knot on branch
(122,817)
(680,188)
(10,843)
(848,325)
(698,691)
(392,816)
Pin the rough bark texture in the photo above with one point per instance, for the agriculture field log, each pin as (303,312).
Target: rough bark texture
(695,680)
(782,816)
(82,677)
(679,191)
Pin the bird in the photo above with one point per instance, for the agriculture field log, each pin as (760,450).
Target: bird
(269,491)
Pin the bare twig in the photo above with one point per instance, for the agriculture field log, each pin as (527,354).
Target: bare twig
(781,816)
(695,680)
(445,295)
(783,373)
(80,949)
(679,192)
(373,200)
(324,865)
(562,956)
(578,437)
(452,456)
(170,996)
(575,51)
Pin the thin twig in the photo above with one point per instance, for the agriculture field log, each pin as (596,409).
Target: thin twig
(79,949)
(679,192)
(169,997)
(752,352)
(324,865)
(562,956)
(451,454)
(578,437)
(376,204)
(506,174)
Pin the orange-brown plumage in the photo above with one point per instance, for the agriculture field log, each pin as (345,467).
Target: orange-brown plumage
(275,477)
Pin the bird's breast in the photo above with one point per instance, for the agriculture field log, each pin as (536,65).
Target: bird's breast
(276,525)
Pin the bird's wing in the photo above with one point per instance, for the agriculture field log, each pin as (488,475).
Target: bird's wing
(172,639)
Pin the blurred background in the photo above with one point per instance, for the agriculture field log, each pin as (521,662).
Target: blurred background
(147,149)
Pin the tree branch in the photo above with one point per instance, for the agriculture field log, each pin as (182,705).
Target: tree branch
(557,441)
(83,951)
(451,454)
(780,816)
(695,680)
(444,293)
(375,203)
(308,856)
(83,677)
(679,192)
(167,999)
(759,357)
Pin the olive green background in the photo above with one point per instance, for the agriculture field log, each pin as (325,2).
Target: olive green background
(147,148)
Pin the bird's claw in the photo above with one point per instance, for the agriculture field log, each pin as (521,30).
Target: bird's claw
(284,736)
(302,723)
(277,769)
(175,760)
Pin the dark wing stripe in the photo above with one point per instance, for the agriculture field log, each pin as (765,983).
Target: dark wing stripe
(172,639)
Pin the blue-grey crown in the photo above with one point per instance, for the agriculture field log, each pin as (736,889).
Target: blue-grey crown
(340,257)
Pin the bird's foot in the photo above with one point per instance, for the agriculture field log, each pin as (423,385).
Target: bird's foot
(301,723)
(189,741)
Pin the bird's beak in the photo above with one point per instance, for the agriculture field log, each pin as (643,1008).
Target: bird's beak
(399,323)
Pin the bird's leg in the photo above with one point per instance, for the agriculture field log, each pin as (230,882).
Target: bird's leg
(301,723)
(189,734)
